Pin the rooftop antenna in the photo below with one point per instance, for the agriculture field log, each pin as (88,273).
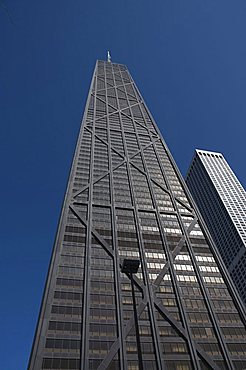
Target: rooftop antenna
(109,57)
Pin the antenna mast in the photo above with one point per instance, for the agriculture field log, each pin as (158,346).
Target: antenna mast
(109,57)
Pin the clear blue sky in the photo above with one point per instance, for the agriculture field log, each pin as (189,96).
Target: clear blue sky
(188,59)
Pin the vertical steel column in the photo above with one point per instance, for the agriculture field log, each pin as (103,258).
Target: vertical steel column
(160,364)
(84,363)
(122,360)
(130,186)
(140,358)
(155,333)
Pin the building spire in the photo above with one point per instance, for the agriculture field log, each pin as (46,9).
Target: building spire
(109,57)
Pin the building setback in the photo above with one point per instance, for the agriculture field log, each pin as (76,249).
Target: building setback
(222,202)
(126,199)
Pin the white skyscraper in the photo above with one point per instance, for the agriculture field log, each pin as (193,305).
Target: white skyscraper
(222,202)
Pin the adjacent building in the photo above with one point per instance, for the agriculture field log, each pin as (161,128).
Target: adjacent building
(222,202)
(126,199)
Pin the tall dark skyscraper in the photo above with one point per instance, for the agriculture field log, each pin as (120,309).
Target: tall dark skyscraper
(126,200)
(222,203)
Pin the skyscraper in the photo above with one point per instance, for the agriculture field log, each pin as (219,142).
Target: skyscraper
(126,200)
(222,203)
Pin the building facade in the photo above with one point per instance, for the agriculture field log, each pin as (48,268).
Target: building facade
(222,202)
(127,200)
